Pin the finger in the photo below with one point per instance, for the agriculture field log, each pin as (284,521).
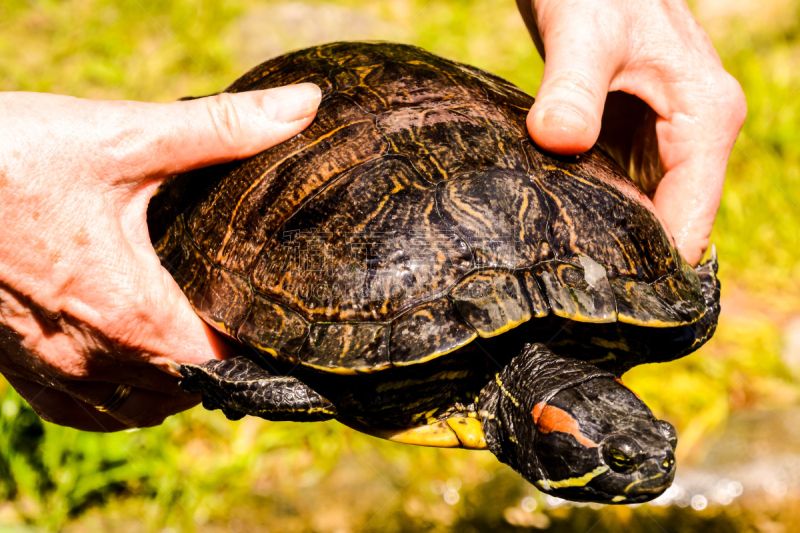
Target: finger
(142,375)
(579,67)
(63,409)
(58,362)
(142,408)
(106,369)
(184,135)
(694,149)
(167,329)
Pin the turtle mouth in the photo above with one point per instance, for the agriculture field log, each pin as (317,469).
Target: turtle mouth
(653,482)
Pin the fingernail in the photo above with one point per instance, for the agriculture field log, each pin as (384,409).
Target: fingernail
(565,117)
(292,102)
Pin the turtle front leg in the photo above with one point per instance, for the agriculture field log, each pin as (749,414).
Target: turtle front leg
(240,387)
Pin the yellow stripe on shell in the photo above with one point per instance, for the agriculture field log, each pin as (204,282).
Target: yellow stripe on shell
(609,357)
(611,345)
(438,435)
(341,371)
(508,326)
(434,355)
(653,323)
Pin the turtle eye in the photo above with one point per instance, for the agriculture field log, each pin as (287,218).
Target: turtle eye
(669,432)
(621,453)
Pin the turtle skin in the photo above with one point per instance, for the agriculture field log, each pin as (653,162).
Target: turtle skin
(416,215)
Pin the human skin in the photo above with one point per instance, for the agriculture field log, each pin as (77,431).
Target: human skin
(84,302)
(649,75)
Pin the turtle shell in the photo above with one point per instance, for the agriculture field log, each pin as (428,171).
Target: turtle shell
(412,216)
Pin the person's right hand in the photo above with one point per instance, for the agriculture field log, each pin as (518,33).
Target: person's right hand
(84,302)
(672,114)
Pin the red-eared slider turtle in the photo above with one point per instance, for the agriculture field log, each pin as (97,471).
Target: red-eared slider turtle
(408,262)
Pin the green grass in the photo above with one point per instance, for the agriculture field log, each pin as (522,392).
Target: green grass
(199,471)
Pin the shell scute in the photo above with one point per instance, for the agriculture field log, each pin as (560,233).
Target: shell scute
(366,249)
(595,216)
(219,297)
(347,348)
(571,295)
(452,137)
(381,85)
(224,300)
(639,304)
(491,301)
(500,214)
(683,293)
(232,223)
(272,328)
(428,331)
(539,305)
(291,68)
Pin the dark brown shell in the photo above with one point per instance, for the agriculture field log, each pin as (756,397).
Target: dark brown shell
(412,216)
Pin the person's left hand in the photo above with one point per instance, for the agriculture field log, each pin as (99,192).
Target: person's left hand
(85,305)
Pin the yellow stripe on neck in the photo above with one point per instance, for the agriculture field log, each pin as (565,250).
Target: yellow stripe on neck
(574,481)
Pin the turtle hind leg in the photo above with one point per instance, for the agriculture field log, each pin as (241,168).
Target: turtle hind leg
(240,387)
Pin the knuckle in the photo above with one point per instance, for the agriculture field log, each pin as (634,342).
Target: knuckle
(732,99)
(67,367)
(577,84)
(128,327)
(120,144)
(224,119)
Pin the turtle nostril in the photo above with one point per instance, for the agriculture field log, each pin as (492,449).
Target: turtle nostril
(668,430)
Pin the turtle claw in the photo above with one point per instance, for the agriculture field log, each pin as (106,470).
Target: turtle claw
(173,368)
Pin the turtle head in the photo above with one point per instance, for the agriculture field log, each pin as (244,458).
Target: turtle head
(597,441)
(576,432)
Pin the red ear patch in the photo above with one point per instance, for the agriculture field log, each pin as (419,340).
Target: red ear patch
(548,419)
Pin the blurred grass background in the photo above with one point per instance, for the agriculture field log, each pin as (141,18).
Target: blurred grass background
(200,472)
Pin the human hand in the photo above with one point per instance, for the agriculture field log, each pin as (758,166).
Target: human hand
(675,127)
(84,302)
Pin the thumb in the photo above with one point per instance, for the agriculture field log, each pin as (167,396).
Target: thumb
(568,111)
(185,135)
(173,138)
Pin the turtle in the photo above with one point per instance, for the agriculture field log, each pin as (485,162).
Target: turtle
(415,267)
